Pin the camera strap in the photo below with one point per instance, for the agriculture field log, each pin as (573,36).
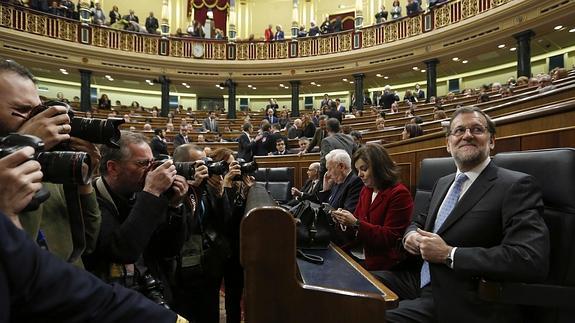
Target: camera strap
(76,219)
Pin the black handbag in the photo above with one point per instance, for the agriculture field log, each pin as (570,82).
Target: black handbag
(313,226)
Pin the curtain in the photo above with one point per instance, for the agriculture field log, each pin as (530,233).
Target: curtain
(218,7)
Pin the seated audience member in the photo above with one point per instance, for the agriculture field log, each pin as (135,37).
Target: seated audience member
(559,73)
(303,143)
(411,130)
(439,115)
(181,138)
(380,124)
(482,221)
(484,97)
(412,7)
(495,87)
(341,186)
(320,133)
(506,91)
(309,190)
(357,138)
(218,138)
(545,83)
(301,32)
(409,96)
(522,81)
(394,108)
(158,143)
(280,148)
(295,131)
(147,127)
(169,127)
(284,119)
(201,138)
(36,285)
(335,140)
(140,218)
(533,82)
(308,128)
(383,211)
(270,117)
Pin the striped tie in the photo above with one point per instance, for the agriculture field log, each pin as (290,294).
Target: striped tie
(446,208)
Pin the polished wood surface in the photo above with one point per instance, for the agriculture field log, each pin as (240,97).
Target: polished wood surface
(274,293)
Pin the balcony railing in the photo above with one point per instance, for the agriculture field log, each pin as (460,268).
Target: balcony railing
(452,12)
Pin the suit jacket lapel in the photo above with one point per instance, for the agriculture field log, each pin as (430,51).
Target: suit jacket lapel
(482,185)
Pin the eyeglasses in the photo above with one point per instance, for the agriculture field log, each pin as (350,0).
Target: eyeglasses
(474,130)
(144,163)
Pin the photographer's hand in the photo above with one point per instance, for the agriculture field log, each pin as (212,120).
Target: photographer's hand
(200,174)
(180,188)
(216,182)
(20,179)
(52,126)
(78,144)
(234,170)
(160,179)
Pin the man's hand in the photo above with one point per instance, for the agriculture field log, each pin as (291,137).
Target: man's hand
(200,174)
(234,170)
(92,150)
(180,188)
(432,247)
(411,243)
(295,192)
(20,179)
(327,182)
(51,125)
(160,179)
(216,182)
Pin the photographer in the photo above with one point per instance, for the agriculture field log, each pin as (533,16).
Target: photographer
(31,279)
(69,230)
(211,238)
(140,203)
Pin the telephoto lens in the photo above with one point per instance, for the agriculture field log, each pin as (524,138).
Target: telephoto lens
(216,168)
(66,167)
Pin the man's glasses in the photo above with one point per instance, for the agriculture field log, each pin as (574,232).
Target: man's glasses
(143,163)
(474,130)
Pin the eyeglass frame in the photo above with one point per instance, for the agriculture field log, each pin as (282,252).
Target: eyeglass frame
(471,131)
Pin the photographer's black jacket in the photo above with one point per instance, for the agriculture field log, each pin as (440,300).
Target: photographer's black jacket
(35,286)
(128,231)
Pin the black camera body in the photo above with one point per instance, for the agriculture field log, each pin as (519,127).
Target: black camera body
(97,131)
(60,167)
(153,290)
(246,168)
(188,169)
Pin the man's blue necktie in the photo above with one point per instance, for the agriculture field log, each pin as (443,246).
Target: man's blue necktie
(446,208)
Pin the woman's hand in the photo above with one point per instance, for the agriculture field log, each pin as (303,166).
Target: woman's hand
(344,217)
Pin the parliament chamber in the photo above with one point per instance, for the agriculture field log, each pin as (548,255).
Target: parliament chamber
(457,51)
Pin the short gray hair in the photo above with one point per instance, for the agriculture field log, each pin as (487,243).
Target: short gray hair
(339,156)
(123,153)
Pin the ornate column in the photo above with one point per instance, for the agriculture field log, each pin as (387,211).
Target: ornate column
(165,83)
(294,98)
(524,52)
(85,84)
(232,31)
(231,98)
(164,22)
(431,66)
(358,14)
(294,18)
(358,82)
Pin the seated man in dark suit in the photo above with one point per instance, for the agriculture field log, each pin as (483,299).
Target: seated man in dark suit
(483,221)
(309,190)
(280,147)
(341,186)
(158,143)
(182,137)
(210,124)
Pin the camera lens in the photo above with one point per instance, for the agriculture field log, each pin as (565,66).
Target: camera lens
(98,131)
(186,169)
(65,167)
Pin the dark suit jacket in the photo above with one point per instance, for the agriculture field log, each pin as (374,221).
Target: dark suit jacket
(208,127)
(158,146)
(335,141)
(180,140)
(316,140)
(334,114)
(152,24)
(499,233)
(387,100)
(35,286)
(310,192)
(272,120)
(245,147)
(264,145)
(345,195)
